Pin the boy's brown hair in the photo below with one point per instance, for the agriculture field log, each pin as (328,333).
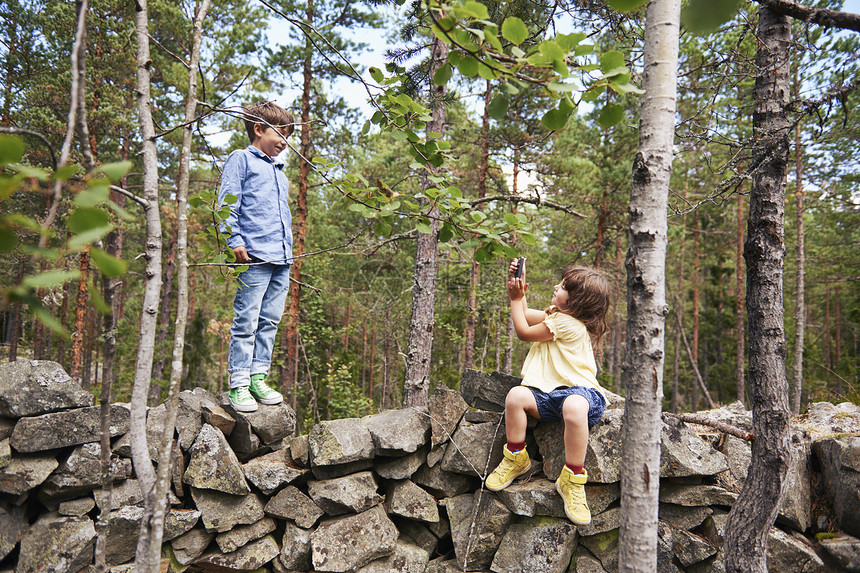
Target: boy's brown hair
(267,114)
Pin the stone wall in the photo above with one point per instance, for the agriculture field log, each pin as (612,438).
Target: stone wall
(395,491)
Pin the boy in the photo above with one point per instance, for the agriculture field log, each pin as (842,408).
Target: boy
(259,236)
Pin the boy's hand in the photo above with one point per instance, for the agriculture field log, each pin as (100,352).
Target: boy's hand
(241,255)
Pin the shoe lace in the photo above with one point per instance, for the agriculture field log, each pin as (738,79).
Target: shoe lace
(261,387)
(242,394)
(505,466)
(576,494)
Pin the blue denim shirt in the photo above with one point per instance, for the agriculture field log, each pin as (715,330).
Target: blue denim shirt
(260,220)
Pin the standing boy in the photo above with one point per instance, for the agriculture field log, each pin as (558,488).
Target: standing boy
(260,236)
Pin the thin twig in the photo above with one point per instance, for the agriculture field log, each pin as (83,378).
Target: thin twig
(703,420)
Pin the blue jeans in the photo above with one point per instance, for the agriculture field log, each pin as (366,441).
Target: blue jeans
(259,305)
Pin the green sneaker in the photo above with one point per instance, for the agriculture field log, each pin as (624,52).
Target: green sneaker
(262,392)
(241,399)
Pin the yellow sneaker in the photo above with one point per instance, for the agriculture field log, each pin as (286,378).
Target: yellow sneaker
(571,488)
(513,465)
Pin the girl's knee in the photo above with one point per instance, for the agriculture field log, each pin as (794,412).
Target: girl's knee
(575,410)
(518,396)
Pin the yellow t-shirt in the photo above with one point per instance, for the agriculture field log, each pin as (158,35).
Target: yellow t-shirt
(566,360)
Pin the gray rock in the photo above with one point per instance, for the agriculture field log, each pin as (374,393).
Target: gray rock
(240,536)
(443,565)
(191,545)
(826,420)
(5,453)
(217,416)
(696,495)
(484,416)
(346,543)
(244,441)
(533,498)
(445,407)
(12,528)
(25,472)
(338,442)
(602,457)
(251,557)
(479,451)
(406,499)
(81,472)
(341,470)
(840,466)
(475,545)
(123,530)
(296,548)
(353,493)
(602,523)
(190,412)
(213,465)
(401,467)
(441,483)
(66,428)
(398,432)
(683,453)
(685,546)
(536,545)
(6,427)
(436,453)
(127,492)
(76,507)
(486,392)
(407,558)
(291,503)
(154,430)
(738,453)
(35,387)
(270,422)
(56,543)
(604,547)
(271,472)
(419,534)
(222,512)
(796,508)
(844,550)
(584,562)
(300,451)
(684,517)
(787,552)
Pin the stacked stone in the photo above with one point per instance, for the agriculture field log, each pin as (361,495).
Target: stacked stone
(395,491)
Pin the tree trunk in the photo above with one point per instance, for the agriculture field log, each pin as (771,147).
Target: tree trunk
(694,395)
(646,292)
(740,370)
(679,311)
(759,500)
(162,484)
(289,340)
(837,344)
(800,255)
(416,384)
(14,328)
(146,545)
(472,308)
(80,317)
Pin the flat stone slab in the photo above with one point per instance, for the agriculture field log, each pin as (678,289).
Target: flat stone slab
(398,432)
(34,387)
(353,493)
(346,543)
(407,558)
(296,548)
(486,391)
(291,503)
(251,557)
(536,545)
(12,528)
(240,536)
(406,499)
(222,512)
(445,407)
(476,546)
(66,428)
(57,543)
(81,472)
(338,442)
(26,471)
(271,472)
(213,465)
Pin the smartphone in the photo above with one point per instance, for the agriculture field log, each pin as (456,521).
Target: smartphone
(519,272)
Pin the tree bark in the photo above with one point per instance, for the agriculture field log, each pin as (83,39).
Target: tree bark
(837,344)
(740,370)
(764,251)
(80,317)
(679,312)
(416,384)
(694,395)
(800,278)
(151,291)
(646,291)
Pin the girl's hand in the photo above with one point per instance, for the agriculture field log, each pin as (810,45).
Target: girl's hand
(516,289)
(512,269)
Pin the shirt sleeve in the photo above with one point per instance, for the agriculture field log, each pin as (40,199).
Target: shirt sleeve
(231,184)
(564,327)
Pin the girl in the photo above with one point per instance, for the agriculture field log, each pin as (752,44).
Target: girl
(559,379)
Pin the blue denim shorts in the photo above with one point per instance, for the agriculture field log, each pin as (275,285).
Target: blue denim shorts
(549,404)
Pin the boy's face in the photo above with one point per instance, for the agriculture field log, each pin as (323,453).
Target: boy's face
(269,141)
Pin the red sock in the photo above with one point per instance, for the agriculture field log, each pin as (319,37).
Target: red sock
(577,470)
(516,446)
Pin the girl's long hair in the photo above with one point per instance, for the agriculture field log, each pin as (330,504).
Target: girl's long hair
(588,300)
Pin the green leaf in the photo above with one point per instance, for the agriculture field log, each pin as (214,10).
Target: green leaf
(65,173)
(627,89)
(89,237)
(86,218)
(569,41)
(11,149)
(365,128)
(514,30)
(8,240)
(424,228)
(376,74)
(583,49)
(477,9)
(30,171)
(611,60)
(625,5)
(382,228)
(561,87)
(511,219)
(498,106)
(478,216)
(551,50)
(700,17)
(443,74)
(482,256)
(554,119)
(97,301)
(510,88)
(493,39)
(50,279)
(114,171)
(109,265)
(487,69)
(92,196)
(468,66)
(48,319)
(446,233)
(610,115)
(195,201)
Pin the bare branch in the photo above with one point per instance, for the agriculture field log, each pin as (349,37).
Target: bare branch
(721,426)
(820,16)
(537,201)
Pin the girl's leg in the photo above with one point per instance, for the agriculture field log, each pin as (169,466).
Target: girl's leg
(519,404)
(574,411)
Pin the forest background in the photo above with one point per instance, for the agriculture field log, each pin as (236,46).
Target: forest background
(556,196)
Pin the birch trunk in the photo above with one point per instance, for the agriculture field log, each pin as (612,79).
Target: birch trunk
(416,384)
(151,291)
(800,255)
(764,251)
(646,291)
(162,484)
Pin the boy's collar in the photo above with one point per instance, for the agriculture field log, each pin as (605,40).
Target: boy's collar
(278,164)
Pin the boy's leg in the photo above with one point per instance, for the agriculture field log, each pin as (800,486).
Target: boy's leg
(271,311)
(519,403)
(571,483)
